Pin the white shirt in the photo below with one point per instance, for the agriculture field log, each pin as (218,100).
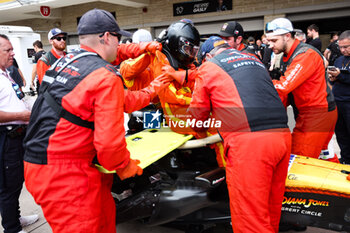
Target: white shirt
(9,101)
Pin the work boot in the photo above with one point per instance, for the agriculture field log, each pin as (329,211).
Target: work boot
(28,220)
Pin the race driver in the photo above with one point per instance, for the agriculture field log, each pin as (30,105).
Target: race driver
(77,116)
(180,45)
(304,85)
(235,88)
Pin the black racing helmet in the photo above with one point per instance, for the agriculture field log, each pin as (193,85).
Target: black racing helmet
(182,41)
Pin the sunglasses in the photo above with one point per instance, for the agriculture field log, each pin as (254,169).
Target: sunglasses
(59,38)
(113,34)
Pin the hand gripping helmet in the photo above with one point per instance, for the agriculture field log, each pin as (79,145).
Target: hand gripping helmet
(181,40)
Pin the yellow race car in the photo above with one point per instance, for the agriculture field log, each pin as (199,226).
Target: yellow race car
(317,194)
(182,185)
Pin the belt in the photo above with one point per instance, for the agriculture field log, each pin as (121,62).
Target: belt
(14,131)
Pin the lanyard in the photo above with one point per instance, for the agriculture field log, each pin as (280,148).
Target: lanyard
(8,77)
(15,86)
(344,67)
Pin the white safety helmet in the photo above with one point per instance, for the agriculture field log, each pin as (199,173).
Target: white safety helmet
(141,35)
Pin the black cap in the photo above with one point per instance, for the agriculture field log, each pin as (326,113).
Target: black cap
(98,21)
(231,28)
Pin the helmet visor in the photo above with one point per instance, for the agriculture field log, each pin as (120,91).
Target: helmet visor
(188,48)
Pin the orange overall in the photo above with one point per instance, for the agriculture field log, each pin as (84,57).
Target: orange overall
(175,99)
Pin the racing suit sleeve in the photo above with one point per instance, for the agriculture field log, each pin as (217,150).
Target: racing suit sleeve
(302,67)
(41,68)
(135,73)
(131,68)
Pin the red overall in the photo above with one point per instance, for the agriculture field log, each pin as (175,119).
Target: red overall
(44,64)
(74,195)
(236,90)
(304,78)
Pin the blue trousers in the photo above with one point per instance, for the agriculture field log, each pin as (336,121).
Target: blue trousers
(11,181)
(342,130)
